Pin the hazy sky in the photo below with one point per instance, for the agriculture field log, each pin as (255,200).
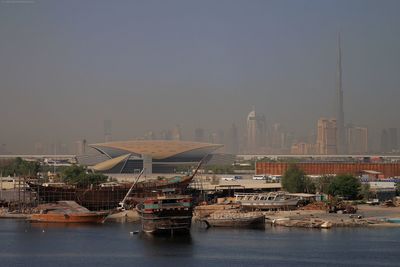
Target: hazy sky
(65,66)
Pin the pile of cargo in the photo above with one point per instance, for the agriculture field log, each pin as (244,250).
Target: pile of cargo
(206,210)
(315,206)
(303,223)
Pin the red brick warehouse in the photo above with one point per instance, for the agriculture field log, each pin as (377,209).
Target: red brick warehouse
(322,168)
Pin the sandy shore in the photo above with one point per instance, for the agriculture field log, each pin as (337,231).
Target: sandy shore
(365,216)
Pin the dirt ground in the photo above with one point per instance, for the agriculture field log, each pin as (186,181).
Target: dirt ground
(370,215)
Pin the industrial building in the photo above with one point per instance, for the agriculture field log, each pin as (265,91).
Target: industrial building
(381,170)
(156,156)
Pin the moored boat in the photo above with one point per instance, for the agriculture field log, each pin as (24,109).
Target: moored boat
(267,201)
(166,214)
(66,212)
(235,219)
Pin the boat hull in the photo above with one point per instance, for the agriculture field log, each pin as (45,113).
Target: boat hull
(97,217)
(249,222)
(170,214)
(170,225)
(267,205)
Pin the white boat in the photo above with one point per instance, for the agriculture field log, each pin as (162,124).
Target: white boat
(266,201)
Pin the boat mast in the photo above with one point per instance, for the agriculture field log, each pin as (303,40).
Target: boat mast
(122,203)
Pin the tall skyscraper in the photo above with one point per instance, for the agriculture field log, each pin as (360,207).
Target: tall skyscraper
(80,147)
(252,131)
(357,140)
(199,135)
(39,148)
(166,135)
(393,145)
(150,135)
(326,136)
(212,138)
(107,131)
(302,148)
(341,142)
(177,133)
(3,149)
(233,140)
(256,131)
(277,136)
(389,140)
(384,141)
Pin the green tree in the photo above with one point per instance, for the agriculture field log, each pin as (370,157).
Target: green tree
(345,185)
(322,183)
(398,189)
(78,175)
(221,169)
(20,167)
(295,181)
(365,191)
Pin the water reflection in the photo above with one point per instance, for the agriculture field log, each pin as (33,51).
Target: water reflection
(166,245)
(110,244)
(47,225)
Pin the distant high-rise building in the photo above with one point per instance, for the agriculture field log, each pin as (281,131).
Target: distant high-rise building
(63,149)
(212,138)
(384,141)
(80,147)
(389,142)
(39,148)
(199,135)
(302,149)
(341,143)
(256,131)
(3,149)
(289,140)
(393,145)
(107,131)
(277,136)
(357,140)
(52,149)
(252,131)
(326,136)
(177,133)
(150,135)
(221,137)
(233,140)
(166,135)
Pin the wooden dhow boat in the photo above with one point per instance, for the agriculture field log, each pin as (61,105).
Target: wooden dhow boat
(66,212)
(235,219)
(166,214)
(108,197)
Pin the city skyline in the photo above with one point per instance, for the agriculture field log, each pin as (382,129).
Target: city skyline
(59,84)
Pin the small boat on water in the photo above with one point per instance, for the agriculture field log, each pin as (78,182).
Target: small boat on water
(66,212)
(166,214)
(267,201)
(235,219)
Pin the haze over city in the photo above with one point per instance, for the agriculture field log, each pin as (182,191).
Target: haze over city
(151,65)
(199,133)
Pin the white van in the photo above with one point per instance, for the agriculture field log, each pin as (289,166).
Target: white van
(260,177)
(228,178)
(276,178)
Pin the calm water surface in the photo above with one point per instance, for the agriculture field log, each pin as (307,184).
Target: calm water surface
(111,244)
